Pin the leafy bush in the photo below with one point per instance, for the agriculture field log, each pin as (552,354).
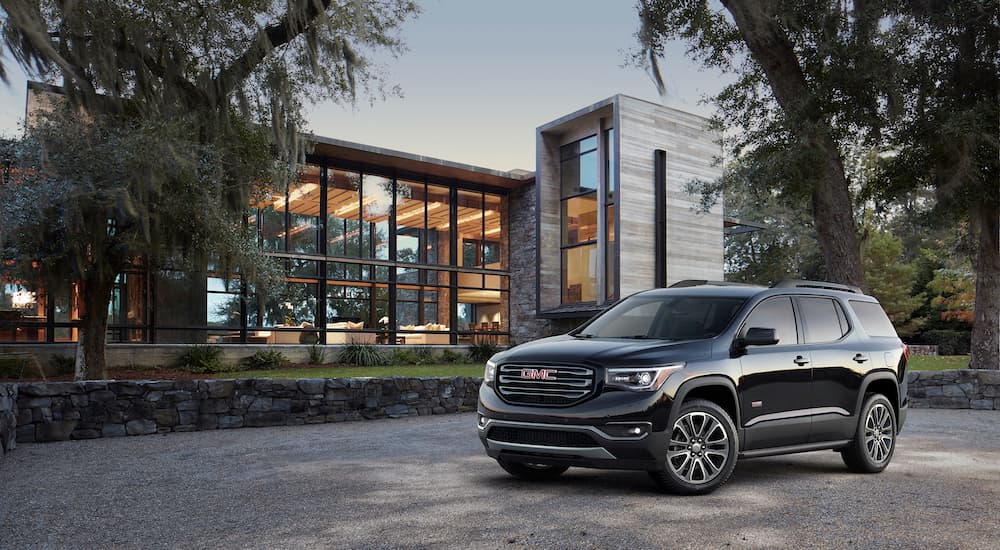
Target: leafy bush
(317,355)
(13,367)
(949,342)
(265,359)
(62,364)
(452,356)
(413,356)
(203,360)
(362,355)
(481,352)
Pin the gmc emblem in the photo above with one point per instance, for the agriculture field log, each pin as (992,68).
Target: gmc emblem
(538,374)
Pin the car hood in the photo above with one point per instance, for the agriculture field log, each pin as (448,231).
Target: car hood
(607,351)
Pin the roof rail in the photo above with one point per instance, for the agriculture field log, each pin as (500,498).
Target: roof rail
(796,283)
(702,282)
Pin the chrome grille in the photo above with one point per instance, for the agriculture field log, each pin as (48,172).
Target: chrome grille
(562,385)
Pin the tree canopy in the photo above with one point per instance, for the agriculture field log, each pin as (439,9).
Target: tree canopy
(164,136)
(916,82)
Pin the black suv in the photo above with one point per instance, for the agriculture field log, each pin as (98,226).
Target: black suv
(682,381)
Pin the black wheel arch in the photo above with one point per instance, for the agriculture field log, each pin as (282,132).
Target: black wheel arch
(883,382)
(719,389)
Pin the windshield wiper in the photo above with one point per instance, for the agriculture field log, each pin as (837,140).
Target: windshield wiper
(583,335)
(639,337)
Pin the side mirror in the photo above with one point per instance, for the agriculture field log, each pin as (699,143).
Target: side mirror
(757,336)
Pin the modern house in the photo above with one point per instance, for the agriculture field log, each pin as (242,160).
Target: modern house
(387,247)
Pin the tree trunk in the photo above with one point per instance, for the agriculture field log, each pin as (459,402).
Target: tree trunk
(94,328)
(831,197)
(985,352)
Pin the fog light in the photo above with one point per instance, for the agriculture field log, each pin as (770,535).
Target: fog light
(626,430)
(482,422)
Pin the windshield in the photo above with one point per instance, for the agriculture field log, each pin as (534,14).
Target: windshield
(665,318)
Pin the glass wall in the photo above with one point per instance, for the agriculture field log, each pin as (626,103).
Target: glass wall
(367,255)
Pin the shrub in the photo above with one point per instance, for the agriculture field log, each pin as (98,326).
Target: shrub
(481,352)
(452,356)
(13,367)
(413,356)
(202,360)
(62,364)
(362,355)
(317,355)
(404,357)
(950,342)
(265,359)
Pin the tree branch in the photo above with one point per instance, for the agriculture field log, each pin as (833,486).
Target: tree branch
(300,15)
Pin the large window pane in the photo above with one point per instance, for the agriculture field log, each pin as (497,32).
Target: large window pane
(470,226)
(439,228)
(222,304)
(377,203)
(411,211)
(494,232)
(579,215)
(271,222)
(343,203)
(303,208)
(293,307)
(578,169)
(579,274)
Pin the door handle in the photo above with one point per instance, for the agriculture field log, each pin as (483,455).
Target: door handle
(801,361)
(860,358)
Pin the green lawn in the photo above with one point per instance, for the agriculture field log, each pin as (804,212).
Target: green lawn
(347,372)
(938,362)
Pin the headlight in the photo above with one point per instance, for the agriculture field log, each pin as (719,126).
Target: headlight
(490,373)
(640,378)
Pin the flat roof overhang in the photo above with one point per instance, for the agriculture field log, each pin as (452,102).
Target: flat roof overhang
(418,164)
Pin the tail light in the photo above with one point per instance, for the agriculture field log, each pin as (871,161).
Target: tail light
(906,351)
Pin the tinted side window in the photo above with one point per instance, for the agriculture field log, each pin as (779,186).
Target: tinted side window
(873,319)
(774,313)
(821,319)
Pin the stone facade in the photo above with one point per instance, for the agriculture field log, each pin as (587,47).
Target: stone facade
(524,326)
(57,411)
(954,389)
(8,418)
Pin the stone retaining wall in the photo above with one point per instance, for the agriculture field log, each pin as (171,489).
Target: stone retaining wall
(55,411)
(8,418)
(954,389)
(58,411)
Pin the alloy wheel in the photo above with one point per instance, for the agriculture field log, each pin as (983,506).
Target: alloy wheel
(879,433)
(699,447)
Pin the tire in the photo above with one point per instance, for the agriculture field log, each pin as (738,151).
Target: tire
(532,471)
(702,450)
(875,439)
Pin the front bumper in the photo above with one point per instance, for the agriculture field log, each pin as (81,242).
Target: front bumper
(590,434)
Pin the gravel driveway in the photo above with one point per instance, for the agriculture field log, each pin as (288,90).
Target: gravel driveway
(425,482)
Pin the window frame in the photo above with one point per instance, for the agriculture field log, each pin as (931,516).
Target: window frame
(796,320)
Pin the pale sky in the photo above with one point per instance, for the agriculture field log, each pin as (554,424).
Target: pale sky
(481,75)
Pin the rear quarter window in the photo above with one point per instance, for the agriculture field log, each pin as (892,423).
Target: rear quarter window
(873,319)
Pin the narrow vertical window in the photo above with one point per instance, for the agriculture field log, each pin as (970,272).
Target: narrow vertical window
(579,203)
